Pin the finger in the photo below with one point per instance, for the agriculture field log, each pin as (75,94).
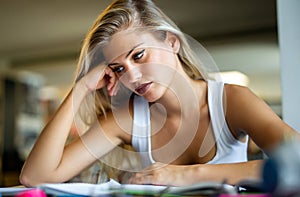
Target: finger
(113,88)
(116,88)
(145,179)
(112,80)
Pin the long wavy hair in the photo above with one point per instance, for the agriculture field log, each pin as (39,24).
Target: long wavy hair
(120,15)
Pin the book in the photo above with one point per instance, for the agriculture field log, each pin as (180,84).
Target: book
(4,191)
(113,187)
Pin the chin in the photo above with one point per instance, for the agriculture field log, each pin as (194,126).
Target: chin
(153,96)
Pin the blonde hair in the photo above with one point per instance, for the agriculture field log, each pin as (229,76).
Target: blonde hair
(121,15)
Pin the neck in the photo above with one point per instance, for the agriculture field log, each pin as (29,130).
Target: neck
(183,96)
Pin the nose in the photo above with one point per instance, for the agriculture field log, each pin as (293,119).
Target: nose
(133,74)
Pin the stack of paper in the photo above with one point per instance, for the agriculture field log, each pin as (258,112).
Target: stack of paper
(113,187)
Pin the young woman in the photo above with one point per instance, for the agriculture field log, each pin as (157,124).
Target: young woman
(141,83)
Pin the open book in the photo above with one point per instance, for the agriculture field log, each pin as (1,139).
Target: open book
(113,187)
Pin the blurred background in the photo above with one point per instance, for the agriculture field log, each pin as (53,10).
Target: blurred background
(40,43)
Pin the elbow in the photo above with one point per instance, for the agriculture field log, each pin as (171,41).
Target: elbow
(33,178)
(26,180)
(28,176)
(29,179)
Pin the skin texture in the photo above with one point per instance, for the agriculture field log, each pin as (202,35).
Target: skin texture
(52,161)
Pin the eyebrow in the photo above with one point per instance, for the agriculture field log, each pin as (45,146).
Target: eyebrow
(129,52)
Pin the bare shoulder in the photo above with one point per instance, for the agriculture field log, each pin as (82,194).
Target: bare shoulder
(247,112)
(238,92)
(236,100)
(240,99)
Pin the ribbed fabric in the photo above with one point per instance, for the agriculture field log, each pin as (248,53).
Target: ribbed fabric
(141,132)
(229,149)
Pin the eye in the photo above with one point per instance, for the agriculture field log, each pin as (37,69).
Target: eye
(117,69)
(138,55)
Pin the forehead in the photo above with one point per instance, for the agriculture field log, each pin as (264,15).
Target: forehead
(124,41)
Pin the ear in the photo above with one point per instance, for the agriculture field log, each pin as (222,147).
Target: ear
(173,41)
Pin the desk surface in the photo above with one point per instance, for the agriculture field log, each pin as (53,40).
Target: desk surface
(113,188)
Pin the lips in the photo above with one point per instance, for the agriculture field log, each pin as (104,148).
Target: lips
(142,89)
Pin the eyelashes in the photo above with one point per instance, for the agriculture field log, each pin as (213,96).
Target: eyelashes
(117,69)
(136,57)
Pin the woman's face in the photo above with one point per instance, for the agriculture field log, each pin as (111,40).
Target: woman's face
(143,63)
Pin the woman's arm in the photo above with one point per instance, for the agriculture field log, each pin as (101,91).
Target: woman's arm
(50,160)
(180,175)
(246,113)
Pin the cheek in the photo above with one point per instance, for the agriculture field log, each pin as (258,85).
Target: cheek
(159,73)
(127,84)
(159,65)
(166,58)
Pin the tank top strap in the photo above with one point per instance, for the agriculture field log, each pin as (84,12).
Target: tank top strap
(229,149)
(141,131)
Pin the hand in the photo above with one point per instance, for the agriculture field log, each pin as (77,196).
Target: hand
(102,76)
(163,174)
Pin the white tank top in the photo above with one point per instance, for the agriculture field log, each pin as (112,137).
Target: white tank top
(229,149)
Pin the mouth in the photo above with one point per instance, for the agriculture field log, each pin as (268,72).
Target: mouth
(143,88)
